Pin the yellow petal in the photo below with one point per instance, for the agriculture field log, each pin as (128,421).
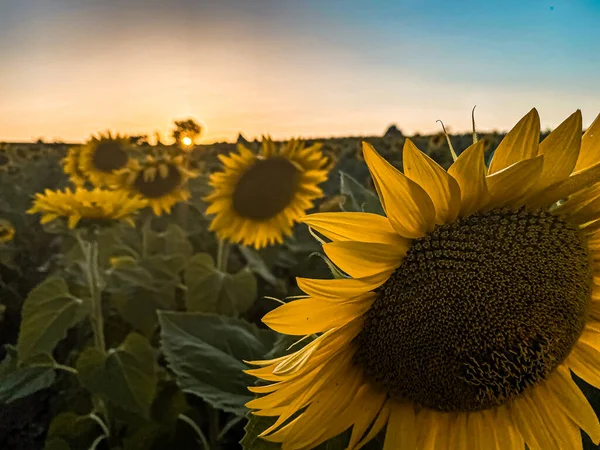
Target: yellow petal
(439,185)
(560,150)
(584,360)
(479,430)
(520,143)
(341,287)
(459,436)
(378,425)
(354,226)
(559,426)
(590,146)
(470,172)
(363,259)
(508,436)
(513,182)
(562,189)
(401,428)
(573,403)
(529,422)
(366,407)
(407,206)
(312,315)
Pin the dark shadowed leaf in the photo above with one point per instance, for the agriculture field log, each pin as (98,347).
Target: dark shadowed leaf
(206,352)
(210,290)
(48,313)
(126,376)
(17,382)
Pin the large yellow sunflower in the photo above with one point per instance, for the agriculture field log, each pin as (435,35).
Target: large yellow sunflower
(257,198)
(71,166)
(7,231)
(161,180)
(101,157)
(98,206)
(465,310)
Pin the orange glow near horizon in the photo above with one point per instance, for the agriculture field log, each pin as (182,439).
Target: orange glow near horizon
(69,79)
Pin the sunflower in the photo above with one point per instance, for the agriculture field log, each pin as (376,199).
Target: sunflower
(98,206)
(160,180)
(466,307)
(7,231)
(71,166)
(100,158)
(258,198)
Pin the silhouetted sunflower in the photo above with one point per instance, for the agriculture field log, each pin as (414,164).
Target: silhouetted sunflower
(7,231)
(100,158)
(161,180)
(465,309)
(98,206)
(71,166)
(257,198)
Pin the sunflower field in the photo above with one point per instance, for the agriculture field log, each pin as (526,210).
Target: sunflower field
(431,292)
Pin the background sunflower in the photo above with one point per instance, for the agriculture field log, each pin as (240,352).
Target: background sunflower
(98,206)
(257,198)
(71,166)
(159,179)
(7,231)
(101,157)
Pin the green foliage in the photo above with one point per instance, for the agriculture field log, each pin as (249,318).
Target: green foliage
(206,352)
(18,382)
(126,376)
(211,290)
(48,312)
(358,198)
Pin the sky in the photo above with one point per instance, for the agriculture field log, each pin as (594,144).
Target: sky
(292,68)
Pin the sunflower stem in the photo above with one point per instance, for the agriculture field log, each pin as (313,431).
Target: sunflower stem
(223,255)
(89,247)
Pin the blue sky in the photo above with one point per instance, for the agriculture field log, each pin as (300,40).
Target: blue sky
(292,67)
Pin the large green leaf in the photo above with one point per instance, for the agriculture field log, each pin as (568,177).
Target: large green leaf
(48,313)
(126,376)
(257,264)
(358,197)
(139,311)
(206,352)
(210,290)
(17,382)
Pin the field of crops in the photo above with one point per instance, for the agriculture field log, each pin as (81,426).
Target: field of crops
(129,325)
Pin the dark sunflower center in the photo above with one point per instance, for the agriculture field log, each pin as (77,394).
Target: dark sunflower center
(479,310)
(266,188)
(158,186)
(109,155)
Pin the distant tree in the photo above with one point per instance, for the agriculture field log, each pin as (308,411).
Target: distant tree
(141,139)
(241,139)
(39,140)
(187,128)
(394,132)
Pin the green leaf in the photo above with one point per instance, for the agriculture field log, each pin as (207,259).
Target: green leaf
(255,426)
(48,313)
(166,266)
(18,382)
(206,353)
(128,277)
(209,290)
(257,264)
(57,444)
(126,376)
(358,197)
(139,311)
(72,428)
(176,241)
